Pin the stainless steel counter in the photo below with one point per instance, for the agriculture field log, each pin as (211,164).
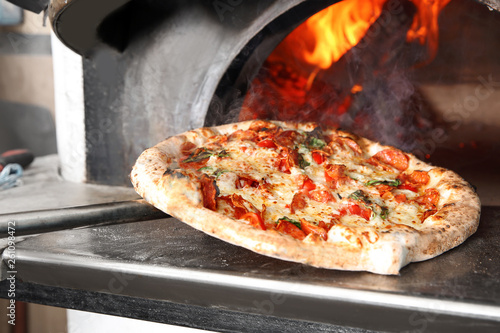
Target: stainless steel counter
(186,277)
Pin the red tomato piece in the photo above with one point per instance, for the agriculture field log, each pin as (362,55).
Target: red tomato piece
(308,228)
(237,203)
(394,158)
(291,229)
(430,198)
(350,143)
(318,157)
(335,174)
(400,198)
(428,213)
(308,184)
(320,196)
(254,220)
(286,138)
(408,187)
(298,202)
(267,143)
(209,191)
(289,159)
(419,177)
(361,211)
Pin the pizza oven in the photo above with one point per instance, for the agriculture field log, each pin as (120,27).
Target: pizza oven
(420,75)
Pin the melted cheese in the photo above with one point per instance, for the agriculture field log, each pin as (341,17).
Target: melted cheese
(261,164)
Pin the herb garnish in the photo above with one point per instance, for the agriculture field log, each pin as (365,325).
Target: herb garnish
(394,183)
(313,142)
(359,195)
(294,222)
(203,153)
(302,162)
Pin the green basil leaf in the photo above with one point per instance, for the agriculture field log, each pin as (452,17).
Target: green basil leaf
(302,162)
(394,183)
(295,222)
(314,142)
(359,195)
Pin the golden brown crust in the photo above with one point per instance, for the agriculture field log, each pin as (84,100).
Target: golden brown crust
(154,177)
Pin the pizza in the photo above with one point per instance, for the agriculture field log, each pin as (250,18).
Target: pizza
(302,193)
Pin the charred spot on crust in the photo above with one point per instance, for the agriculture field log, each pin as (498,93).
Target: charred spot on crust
(175,174)
(449,205)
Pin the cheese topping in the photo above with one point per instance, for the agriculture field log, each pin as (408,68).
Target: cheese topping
(302,183)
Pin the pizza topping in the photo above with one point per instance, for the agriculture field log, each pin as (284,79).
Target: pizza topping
(289,159)
(313,142)
(210,192)
(322,196)
(318,156)
(245,181)
(348,142)
(309,228)
(298,174)
(394,183)
(335,175)
(298,202)
(238,204)
(390,157)
(419,177)
(290,227)
(430,198)
(254,219)
(267,143)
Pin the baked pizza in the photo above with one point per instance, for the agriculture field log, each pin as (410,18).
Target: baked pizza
(307,194)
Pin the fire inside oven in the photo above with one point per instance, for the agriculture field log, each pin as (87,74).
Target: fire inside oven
(419,75)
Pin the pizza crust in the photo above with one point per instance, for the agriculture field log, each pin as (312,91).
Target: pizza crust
(155,179)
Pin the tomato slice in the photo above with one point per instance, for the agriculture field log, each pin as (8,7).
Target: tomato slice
(320,196)
(393,157)
(308,228)
(419,177)
(209,191)
(254,219)
(291,229)
(308,184)
(430,198)
(361,211)
(408,187)
(267,143)
(335,174)
(298,202)
(318,157)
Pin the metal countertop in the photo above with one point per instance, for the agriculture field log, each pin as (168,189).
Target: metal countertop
(168,261)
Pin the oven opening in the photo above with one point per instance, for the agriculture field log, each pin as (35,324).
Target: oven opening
(418,75)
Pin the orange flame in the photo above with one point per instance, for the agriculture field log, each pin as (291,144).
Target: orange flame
(338,28)
(424,28)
